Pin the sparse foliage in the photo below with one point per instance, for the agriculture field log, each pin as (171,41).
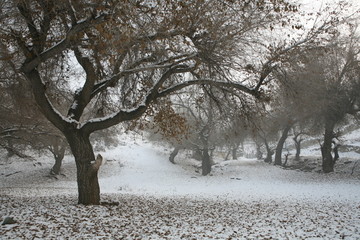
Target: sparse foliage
(117,58)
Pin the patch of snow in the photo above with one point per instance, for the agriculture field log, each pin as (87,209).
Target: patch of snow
(155,199)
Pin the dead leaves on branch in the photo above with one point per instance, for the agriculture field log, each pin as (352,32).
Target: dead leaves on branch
(171,125)
(161,118)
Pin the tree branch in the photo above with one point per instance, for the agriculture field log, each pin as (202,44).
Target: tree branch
(45,105)
(211,83)
(83,96)
(63,44)
(134,69)
(123,115)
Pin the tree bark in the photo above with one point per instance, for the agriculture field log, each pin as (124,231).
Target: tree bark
(269,152)
(297,141)
(206,162)
(336,152)
(280,145)
(58,150)
(258,152)
(173,155)
(87,168)
(297,147)
(227,155)
(234,152)
(327,158)
(55,170)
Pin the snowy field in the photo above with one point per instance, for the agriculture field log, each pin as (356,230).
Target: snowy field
(147,197)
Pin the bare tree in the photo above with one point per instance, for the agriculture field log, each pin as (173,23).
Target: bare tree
(325,81)
(298,139)
(23,125)
(130,53)
(265,130)
(200,117)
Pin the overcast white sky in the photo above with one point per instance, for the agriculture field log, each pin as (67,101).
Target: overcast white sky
(352,9)
(318,4)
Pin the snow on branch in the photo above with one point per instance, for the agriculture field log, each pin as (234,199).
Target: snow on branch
(63,44)
(210,82)
(113,119)
(171,63)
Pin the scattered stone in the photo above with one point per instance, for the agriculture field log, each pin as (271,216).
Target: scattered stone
(8,220)
(235,178)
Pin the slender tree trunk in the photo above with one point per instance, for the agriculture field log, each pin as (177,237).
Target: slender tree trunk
(173,154)
(258,152)
(206,162)
(227,155)
(58,150)
(234,151)
(298,150)
(55,170)
(10,149)
(297,140)
(336,153)
(87,168)
(269,152)
(234,156)
(327,158)
(206,159)
(280,145)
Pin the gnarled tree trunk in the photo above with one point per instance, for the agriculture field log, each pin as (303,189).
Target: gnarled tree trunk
(173,154)
(58,150)
(55,170)
(87,168)
(280,145)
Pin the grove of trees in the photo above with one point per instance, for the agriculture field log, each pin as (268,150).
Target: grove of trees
(90,65)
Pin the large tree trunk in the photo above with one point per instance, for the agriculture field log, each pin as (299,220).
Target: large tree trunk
(280,145)
(87,168)
(327,158)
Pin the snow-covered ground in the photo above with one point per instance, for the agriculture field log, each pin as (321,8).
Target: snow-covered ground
(242,199)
